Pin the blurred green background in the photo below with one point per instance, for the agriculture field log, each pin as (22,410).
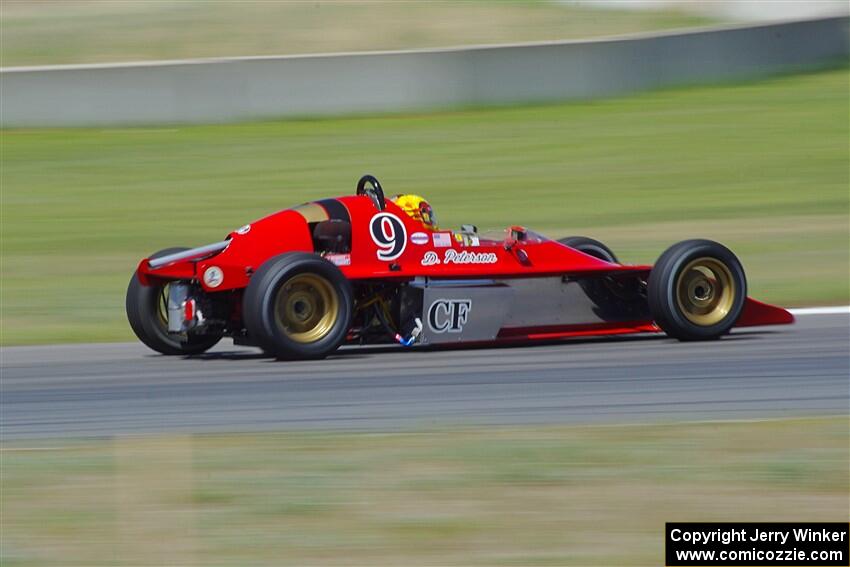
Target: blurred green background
(498,497)
(79,31)
(761,167)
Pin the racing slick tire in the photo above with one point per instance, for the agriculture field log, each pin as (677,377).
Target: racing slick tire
(298,306)
(696,290)
(147,312)
(590,247)
(612,298)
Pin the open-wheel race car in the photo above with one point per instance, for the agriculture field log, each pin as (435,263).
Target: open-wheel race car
(362,269)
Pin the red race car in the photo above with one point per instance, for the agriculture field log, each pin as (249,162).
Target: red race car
(362,269)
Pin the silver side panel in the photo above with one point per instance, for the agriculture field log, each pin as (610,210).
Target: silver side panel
(475,310)
(455,313)
(549,301)
(555,301)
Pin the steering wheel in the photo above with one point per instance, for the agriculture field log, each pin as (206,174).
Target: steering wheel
(375,192)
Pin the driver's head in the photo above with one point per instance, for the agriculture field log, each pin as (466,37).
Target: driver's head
(418,208)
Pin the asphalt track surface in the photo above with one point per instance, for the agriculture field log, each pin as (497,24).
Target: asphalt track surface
(114,389)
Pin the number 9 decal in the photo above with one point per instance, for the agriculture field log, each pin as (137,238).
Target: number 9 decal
(389,235)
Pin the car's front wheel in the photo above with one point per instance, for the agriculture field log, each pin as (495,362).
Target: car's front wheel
(298,306)
(696,290)
(590,247)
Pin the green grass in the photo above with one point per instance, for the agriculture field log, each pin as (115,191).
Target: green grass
(73,31)
(762,167)
(511,496)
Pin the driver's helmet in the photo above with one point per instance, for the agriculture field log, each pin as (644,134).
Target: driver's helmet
(418,208)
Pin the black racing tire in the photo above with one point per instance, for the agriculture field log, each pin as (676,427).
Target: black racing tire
(143,313)
(612,299)
(298,306)
(590,247)
(696,290)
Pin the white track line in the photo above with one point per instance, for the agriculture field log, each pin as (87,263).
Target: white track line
(821,310)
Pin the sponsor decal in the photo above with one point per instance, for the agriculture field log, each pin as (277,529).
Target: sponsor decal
(389,235)
(462,257)
(449,315)
(442,239)
(213,276)
(339,259)
(419,238)
(244,229)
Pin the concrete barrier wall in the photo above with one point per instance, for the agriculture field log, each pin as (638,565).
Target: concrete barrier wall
(224,90)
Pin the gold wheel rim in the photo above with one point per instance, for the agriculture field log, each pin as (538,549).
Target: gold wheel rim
(162,306)
(306,308)
(705,291)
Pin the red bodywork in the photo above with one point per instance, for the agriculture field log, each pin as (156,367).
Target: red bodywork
(373,257)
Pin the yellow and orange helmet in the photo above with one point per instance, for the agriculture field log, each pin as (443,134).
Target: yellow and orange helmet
(418,208)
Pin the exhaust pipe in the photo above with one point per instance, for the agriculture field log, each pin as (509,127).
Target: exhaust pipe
(199,252)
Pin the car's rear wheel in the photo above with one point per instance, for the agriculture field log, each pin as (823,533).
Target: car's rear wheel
(298,306)
(147,312)
(590,247)
(696,290)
